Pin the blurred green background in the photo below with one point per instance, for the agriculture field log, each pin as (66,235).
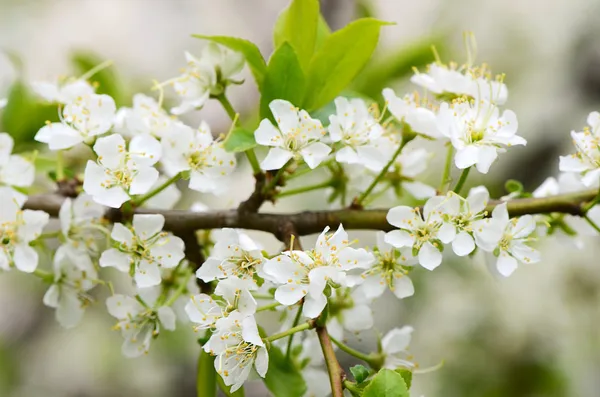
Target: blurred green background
(535,334)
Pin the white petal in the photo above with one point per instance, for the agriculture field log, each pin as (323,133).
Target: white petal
(143,180)
(285,114)
(58,136)
(146,226)
(419,190)
(70,309)
(122,234)
(401,216)
(122,306)
(486,157)
(506,264)
(262,362)
(358,318)
(25,258)
(276,158)
(145,150)
(267,135)
(447,233)
(315,153)
(429,256)
(167,318)
(397,340)
(110,150)
(403,287)
(115,258)
(147,274)
(288,294)
(399,238)
(314,305)
(463,244)
(466,157)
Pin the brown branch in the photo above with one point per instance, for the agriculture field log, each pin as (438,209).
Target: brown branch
(310,222)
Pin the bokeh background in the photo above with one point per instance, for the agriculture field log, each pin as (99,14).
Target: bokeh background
(532,335)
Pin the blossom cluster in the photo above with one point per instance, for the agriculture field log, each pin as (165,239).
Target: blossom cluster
(138,155)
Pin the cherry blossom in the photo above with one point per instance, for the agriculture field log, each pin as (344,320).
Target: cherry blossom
(15,170)
(296,136)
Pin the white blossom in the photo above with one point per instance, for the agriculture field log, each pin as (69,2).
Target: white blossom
(15,171)
(63,91)
(81,225)
(465,215)
(139,323)
(195,151)
(424,233)
(478,132)
(142,249)
(414,112)
(205,311)
(73,277)
(355,128)
(389,271)
(18,228)
(395,347)
(511,248)
(449,81)
(206,76)
(238,347)
(85,117)
(121,170)
(297,136)
(146,117)
(235,254)
(349,310)
(586,161)
(306,274)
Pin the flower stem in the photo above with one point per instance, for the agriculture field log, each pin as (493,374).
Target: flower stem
(305,189)
(345,348)
(291,331)
(447,168)
(592,223)
(180,289)
(271,185)
(289,344)
(336,374)
(233,116)
(54,234)
(268,307)
(351,387)
(359,200)
(96,69)
(45,276)
(262,296)
(461,180)
(141,200)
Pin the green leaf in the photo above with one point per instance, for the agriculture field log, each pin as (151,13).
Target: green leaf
(254,58)
(323,32)
(386,383)
(406,375)
(395,65)
(107,79)
(206,379)
(284,80)
(25,114)
(513,186)
(298,25)
(360,373)
(339,60)
(283,377)
(239,140)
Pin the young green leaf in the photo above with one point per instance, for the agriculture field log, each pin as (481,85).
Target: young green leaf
(323,32)
(206,381)
(283,377)
(298,25)
(386,383)
(239,140)
(284,79)
(254,58)
(339,60)
(406,375)
(360,373)
(107,79)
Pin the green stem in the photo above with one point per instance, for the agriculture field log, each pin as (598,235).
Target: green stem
(226,105)
(305,189)
(592,223)
(591,204)
(361,356)
(180,289)
(253,161)
(358,202)
(54,234)
(262,296)
(351,386)
(447,168)
(271,185)
(96,69)
(336,373)
(291,331)
(461,180)
(141,200)
(60,166)
(268,307)
(45,276)
(289,344)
